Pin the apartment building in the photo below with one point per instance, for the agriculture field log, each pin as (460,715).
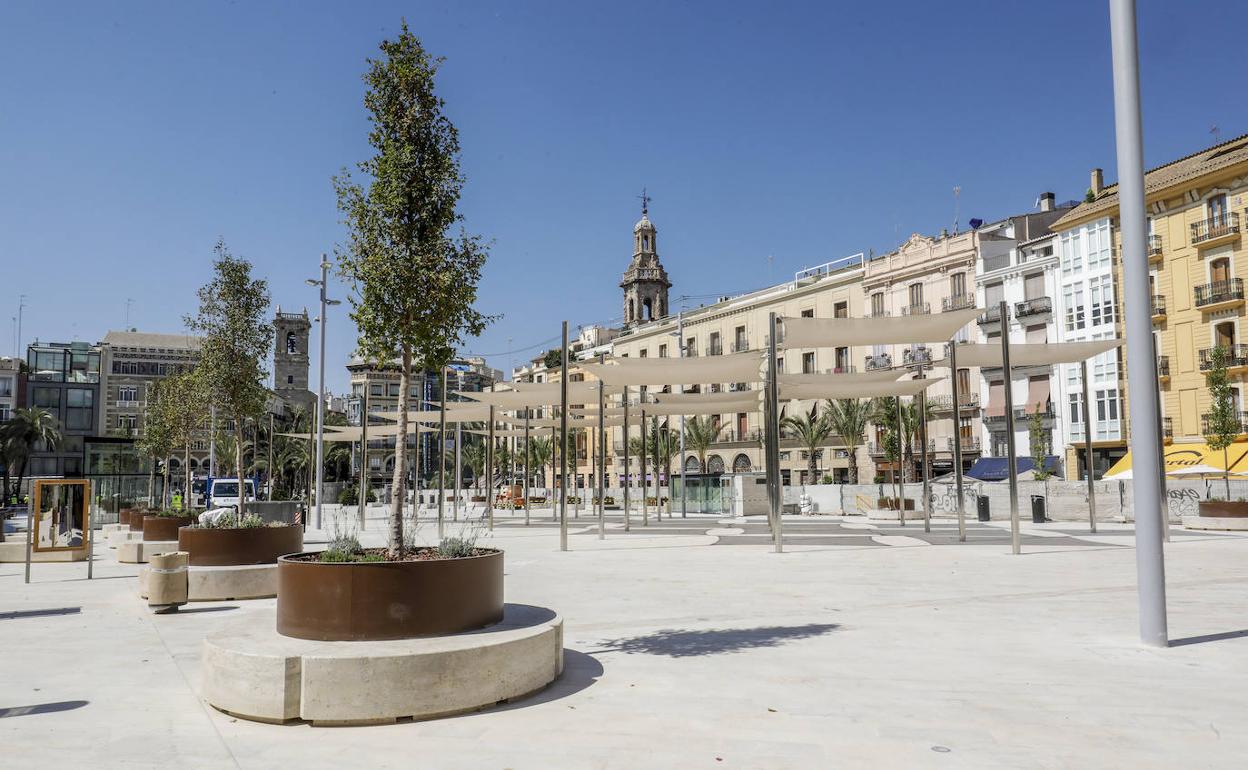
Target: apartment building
(12,396)
(63,378)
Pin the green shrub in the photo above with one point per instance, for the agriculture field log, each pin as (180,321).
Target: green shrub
(168,514)
(232,521)
(350,495)
(457,547)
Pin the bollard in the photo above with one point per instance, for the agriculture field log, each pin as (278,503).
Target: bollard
(167,581)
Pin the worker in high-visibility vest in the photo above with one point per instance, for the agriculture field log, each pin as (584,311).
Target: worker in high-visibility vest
(177,500)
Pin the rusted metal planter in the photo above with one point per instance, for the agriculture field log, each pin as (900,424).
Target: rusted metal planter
(253,545)
(163,527)
(135,520)
(123,516)
(1223,509)
(362,601)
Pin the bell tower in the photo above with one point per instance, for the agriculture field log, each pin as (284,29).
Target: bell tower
(290,357)
(645,282)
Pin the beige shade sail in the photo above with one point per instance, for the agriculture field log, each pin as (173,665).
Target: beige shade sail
(553,422)
(737,367)
(503,432)
(704,398)
(582,411)
(717,407)
(535,394)
(855,390)
(353,433)
(1033,353)
(889,330)
(847,378)
(479,414)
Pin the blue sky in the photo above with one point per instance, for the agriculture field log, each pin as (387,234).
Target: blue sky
(132,135)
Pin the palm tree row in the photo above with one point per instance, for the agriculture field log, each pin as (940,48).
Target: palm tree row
(19,436)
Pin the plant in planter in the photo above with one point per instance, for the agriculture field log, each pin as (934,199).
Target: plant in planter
(1224,424)
(350,495)
(234,539)
(163,525)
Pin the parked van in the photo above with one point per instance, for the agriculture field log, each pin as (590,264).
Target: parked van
(224,493)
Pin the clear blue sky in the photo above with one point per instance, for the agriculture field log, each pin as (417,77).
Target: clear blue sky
(132,135)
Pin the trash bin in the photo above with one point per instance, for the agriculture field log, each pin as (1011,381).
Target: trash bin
(167,581)
(1037,509)
(981,507)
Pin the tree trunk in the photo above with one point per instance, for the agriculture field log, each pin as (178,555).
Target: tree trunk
(812,466)
(398,480)
(151,484)
(238,464)
(164,493)
(186,465)
(1226,476)
(853,463)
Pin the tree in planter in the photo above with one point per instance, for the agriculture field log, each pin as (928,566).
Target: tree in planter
(415,281)
(700,433)
(1224,424)
(183,404)
(1040,444)
(20,435)
(848,418)
(235,340)
(812,431)
(157,439)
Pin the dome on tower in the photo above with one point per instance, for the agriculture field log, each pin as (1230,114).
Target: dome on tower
(643,224)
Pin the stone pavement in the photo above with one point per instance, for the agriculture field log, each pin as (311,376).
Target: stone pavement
(852,649)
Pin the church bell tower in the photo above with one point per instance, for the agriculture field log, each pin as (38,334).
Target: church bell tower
(645,282)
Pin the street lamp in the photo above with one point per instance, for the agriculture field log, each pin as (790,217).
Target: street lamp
(322,284)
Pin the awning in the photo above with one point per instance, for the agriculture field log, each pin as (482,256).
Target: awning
(998,468)
(888,330)
(1180,456)
(1033,353)
(851,389)
(736,367)
(738,406)
(537,394)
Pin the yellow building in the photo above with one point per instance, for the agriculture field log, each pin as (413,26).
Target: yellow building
(1197,263)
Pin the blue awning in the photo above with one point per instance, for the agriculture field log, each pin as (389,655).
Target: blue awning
(998,468)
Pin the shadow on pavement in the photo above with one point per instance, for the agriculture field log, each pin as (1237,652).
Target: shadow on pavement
(681,644)
(579,672)
(42,708)
(1209,638)
(16,614)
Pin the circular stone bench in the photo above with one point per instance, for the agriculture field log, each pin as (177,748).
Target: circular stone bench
(138,551)
(253,672)
(1223,523)
(227,583)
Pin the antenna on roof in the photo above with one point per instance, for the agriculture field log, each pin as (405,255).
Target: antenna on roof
(957,198)
(1217,133)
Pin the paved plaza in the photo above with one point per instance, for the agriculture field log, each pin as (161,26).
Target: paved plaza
(690,644)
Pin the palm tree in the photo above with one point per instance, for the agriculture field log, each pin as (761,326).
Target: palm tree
(848,418)
(539,452)
(662,444)
(473,456)
(20,435)
(700,433)
(812,430)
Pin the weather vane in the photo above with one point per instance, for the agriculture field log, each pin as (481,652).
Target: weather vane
(645,202)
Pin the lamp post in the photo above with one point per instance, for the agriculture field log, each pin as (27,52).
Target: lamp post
(322,283)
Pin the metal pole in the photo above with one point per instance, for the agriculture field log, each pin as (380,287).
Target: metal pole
(364,480)
(680,348)
(627,482)
(30,527)
(1161,443)
(957,440)
(926,468)
(901,461)
(1087,446)
(1149,555)
(489,469)
(312,457)
(527,475)
(645,490)
(441,461)
(563,440)
(773,420)
(1016,541)
(656,459)
(602,455)
(270,468)
(554,458)
(212,449)
(459,478)
(320,398)
(89,535)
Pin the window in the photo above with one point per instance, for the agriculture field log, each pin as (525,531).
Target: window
(877,304)
(916,294)
(691,346)
(376,389)
(392,389)
(808,363)
(46,398)
(290,379)
(79,397)
(1216,208)
(292,344)
(1101,296)
(128,393)
(716,346)
(840,310)
(740,343)
(662,351)
(6,387)
(644,353)
(842,360)
(1107,404)
(1073,296)
(808,313)
(127,421)
(957,285)
(5,413)
(1072,260)
(1076,409)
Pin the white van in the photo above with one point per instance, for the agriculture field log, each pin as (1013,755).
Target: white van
(224,492)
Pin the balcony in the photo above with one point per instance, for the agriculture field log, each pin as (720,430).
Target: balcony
(130,404)
(944,404)
(1167,428)
(945,444)
(1220,294)
(1236,357)
(1036,306)
(842,369)
(919,355)
(715,349)
(1154,249)
(917,308)
(1215,230)
(877,312)
(1163,367)
(1243,422)
(1022,418)
(991,316)
(882,361)
(957,302)
(741,346)
(1159,307)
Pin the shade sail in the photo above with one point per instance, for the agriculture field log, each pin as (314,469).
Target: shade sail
(705,398)
(855,389)
(479,414)
(888,330)
(737,367)
(1181,456)
(505,433)
(536,394)
(880,375)
(592,411)
(1033,353)
(717,407)
(553,422)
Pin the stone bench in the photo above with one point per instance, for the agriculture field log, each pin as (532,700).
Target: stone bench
(227,583)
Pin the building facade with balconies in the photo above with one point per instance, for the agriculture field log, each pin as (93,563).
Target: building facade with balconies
(1197,262)
(928,275)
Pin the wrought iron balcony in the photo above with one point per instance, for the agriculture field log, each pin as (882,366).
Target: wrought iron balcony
(991,316)
(1033,306)
(1167,427)
(917,308)
(945,403)
(715,349)
(1154,248)
(882,361)
(1220,292)
(1159,306)
(846,369)
(1236,357)
(1243,422)
(1022,417)
(957,302)
(920,354)
(876,312)
(1163,366)
(1216,228)
(741,346)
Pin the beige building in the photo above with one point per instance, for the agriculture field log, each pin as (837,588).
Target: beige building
(930,275)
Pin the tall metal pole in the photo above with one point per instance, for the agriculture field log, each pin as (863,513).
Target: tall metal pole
(554,457)
(527,475)
(270,466)
(773,425)
(602,455)
(489,469)
(627,481)
(901,462)
(1016,540)
(441,456)
(1087,445)
(212,445)
(459,478)
(680,347)
(320,397)
(926,467)
(311,454)
(658,485)
(1149,555)
(957,439)
(563,440)
(645,490)
(1164,519)
(364,479)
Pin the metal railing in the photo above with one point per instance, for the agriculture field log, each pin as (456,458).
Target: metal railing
(1236,355)
(1033,306)
(1163,366)
(1154,245)
(920,354)
(1022,416)
(957,302)
(945,403)
(917,308)
(991,316)
(1219,291)
(715,349)
(845,369)
(1214,227)
(882,361)
(1159,305)
(1243,422)
(1167,427)
(741,346)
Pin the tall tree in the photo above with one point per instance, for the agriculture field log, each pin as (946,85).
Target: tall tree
(236,338)
(812,430)
(1224,423)
(415,280)
(700,433)
(848,418)
(26,429)
(157,439)
(1038,437)
(184,403)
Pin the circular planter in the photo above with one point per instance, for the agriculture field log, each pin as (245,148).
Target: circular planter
(363,601)
(163,528)
(225,547)
(135,520)
(123,516)
(1223,509)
